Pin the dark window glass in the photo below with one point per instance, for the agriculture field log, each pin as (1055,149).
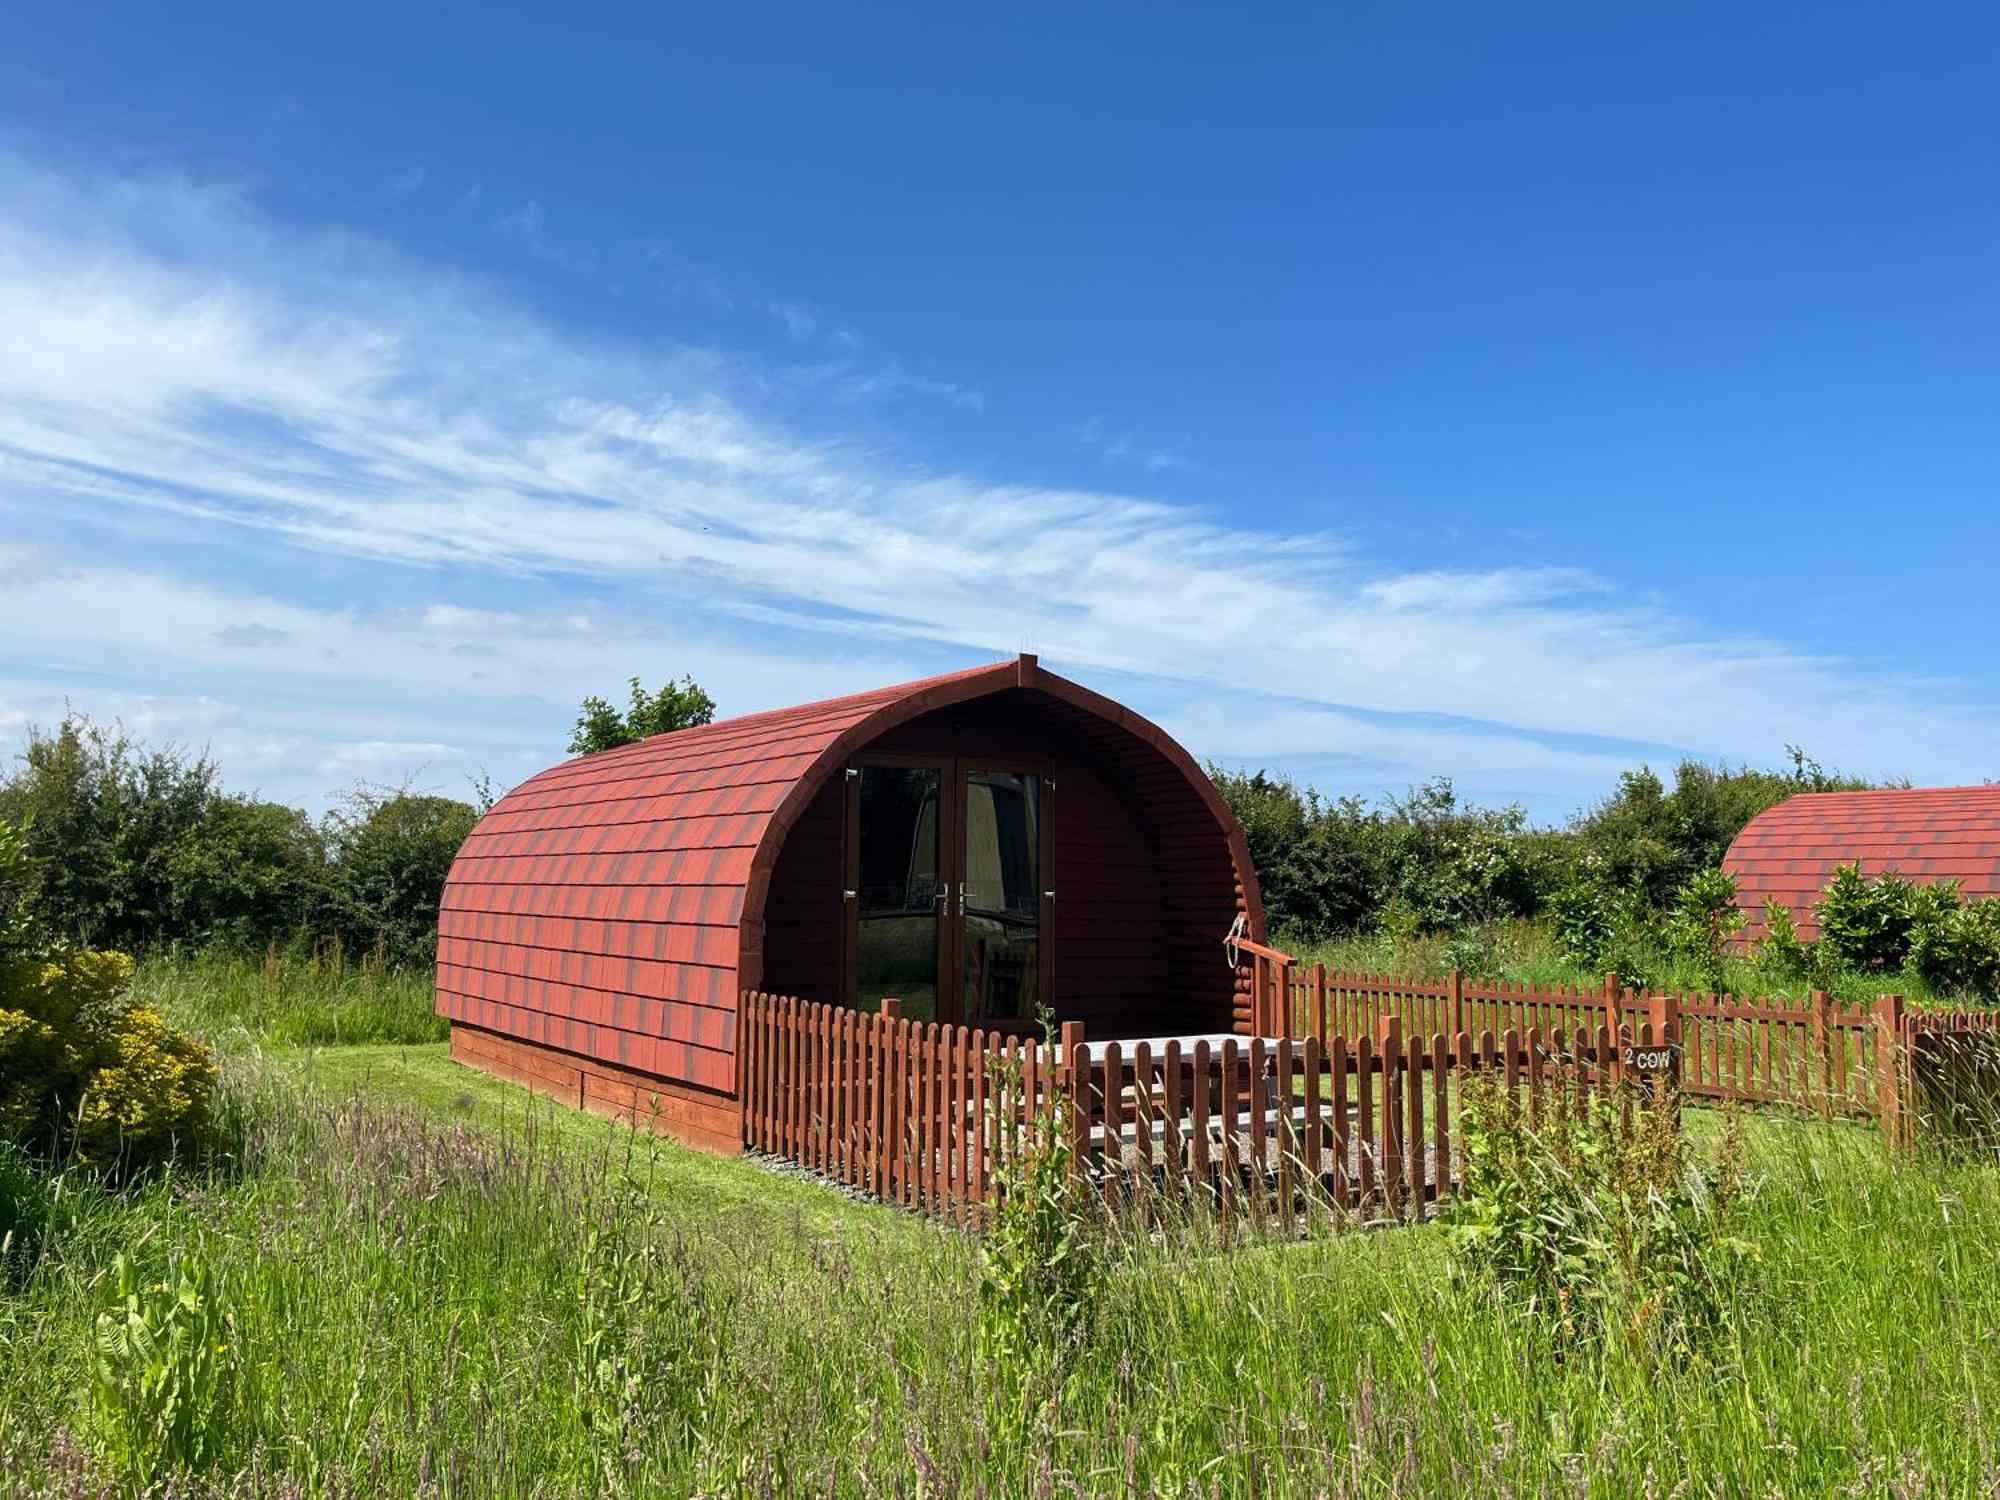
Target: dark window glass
(900,892)
(1003,895)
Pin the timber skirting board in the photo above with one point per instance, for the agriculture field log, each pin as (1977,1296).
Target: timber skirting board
(696,1117)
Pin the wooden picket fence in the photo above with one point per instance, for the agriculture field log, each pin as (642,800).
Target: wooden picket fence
(1818,1054)
(1280,1131)
(908,1112)
(1286,1132)
(1343,1102)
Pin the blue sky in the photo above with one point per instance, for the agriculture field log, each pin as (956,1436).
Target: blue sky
(1364,392)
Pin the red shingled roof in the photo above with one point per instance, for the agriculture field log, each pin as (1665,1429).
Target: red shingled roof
(1928,833)
(612,905)
(596,906)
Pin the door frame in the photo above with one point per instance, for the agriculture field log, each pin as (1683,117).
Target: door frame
(952,771)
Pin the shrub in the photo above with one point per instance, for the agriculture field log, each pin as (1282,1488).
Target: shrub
(252,872)
(152,1091)
(1583,920)
(114,815)
(1596,1221)
(19,873)
(1956,947)
(140,847)
(1890,923)
(1781,950)
(1318,865)
(1652,840)
(1330,869)
(1703,919)
(392,849)
(1863,923)
(1474,949)
(1452,864)
(85,1073)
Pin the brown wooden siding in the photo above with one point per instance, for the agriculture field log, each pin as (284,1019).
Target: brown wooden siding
(803,920)
(705,1119)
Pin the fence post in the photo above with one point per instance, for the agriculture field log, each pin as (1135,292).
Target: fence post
(891,1083)
(1616,1070)
(1388,1141)
(1075,1076)
(1283,999)
(1663,1015)
(1822,1052)
(1889,1102)
(1457,1002)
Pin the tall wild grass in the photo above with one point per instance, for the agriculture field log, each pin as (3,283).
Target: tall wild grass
(407,1304)
(321,997)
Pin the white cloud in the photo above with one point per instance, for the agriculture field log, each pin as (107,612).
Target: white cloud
(367,758)
(1126,448)
(166,351)
(251,636)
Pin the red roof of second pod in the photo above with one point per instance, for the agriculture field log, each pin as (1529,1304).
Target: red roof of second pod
(1789,852)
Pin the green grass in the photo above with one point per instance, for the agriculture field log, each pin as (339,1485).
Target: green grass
(435,1284)
(291,1001)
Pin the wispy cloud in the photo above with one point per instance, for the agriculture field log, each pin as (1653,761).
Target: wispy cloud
(527,226)
(1125,448)
(169,353)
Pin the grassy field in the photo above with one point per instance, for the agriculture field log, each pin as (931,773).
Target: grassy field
(291,1001)
(425,1282)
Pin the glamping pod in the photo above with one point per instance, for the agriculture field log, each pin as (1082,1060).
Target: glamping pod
(981,846)
(1789,852)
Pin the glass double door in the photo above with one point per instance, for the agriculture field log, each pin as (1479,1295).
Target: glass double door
(948,888)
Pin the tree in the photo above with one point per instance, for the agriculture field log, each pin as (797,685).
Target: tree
(20,872)
(254,872)
(110,817)
(1650,842)
(677,705)
(392,849)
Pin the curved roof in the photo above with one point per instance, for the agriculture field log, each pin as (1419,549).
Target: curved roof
(1925,833)
(613,905)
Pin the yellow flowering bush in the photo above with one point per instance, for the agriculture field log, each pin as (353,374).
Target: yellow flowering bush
(86,1074)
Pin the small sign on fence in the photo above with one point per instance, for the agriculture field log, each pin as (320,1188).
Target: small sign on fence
(1649,1059)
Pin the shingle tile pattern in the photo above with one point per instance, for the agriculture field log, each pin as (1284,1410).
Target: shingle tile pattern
(596,907)
(1790,851)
